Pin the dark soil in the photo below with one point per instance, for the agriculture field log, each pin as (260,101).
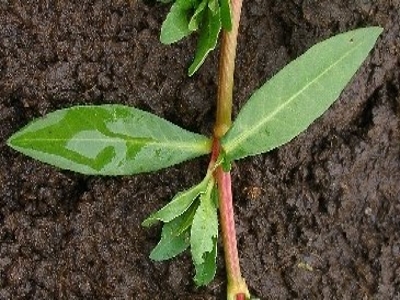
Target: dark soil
(317,219)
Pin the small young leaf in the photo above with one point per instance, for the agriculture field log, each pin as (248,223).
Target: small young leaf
(170,244)
(108,140)
(205,16)
(213,5)
(197,16)
(208,38)
(206,271)
(179,204)
(289,102)
(176,25)
(204,227)
(226,17)
(175,236)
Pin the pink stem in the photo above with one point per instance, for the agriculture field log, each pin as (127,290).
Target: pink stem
(228,225)
(240,297)
(237,288)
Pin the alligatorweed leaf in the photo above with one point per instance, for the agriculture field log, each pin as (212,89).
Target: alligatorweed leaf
(108,140)
(205,272)
(175,236)
(179,204)
(289,102)
(204,229)
(208,36)
(226,17)
(176,25)
(204,16)
(213,5)
(196,19)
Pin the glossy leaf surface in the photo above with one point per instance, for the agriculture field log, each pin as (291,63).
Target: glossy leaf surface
(108,140)
(288,103)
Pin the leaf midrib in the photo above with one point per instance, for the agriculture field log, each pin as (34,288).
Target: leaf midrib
(180,145)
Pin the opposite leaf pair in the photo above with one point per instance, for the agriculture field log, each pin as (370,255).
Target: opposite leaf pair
(121,140)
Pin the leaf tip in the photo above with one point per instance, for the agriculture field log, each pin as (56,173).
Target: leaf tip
(150,221)
(191,71)
(165,39)
(379,29)
(12,141)
(155,256)
(9,141)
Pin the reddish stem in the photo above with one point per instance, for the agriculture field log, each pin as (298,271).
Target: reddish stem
(226,216)
(240,297)
(237,288)
(228,224)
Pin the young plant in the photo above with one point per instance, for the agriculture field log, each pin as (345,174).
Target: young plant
(120,140)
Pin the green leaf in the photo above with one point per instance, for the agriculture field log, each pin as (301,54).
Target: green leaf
(179,204)
(213,5)
(204,227)
(226,17)
(288,103)
(176,25)
(197,16)
(208,38)
(205,16)
(175,236)
(205,272)
(108,140)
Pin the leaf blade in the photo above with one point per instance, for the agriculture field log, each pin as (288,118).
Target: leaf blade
(175,236)
(204,227)
(279,103)
(176,25)
(107,140)
(205,272)
(226,18)
(195,20)
(208,38)
(179,204)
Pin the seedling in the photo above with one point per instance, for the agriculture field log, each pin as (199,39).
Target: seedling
(120,140)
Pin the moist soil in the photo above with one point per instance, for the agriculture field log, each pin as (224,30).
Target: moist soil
(318,218)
